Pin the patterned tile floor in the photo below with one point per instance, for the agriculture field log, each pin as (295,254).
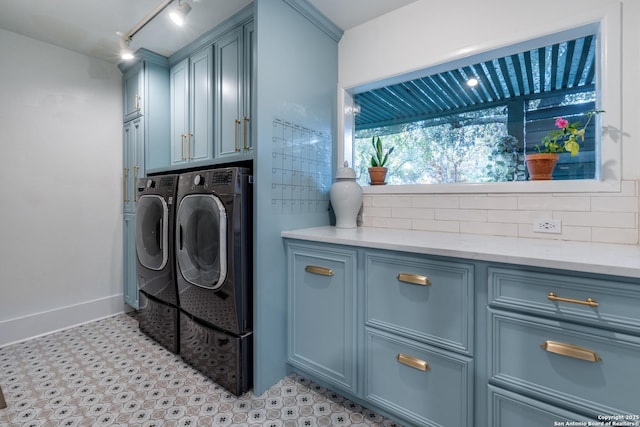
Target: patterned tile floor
(107,373)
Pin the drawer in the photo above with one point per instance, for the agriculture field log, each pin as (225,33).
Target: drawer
(439,396)
(598,302)
(438,313)
(561,373)
(508,409)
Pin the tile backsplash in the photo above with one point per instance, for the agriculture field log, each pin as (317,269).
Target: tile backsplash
(585,217)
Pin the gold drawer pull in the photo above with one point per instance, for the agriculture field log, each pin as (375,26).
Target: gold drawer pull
(323,271)
(589,301)
(413,362)
(570,350)
(415,279)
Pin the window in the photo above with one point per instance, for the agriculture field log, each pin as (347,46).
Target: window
(475,122)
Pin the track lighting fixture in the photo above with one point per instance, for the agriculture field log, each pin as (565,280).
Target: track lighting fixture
(125,52)
(179,13)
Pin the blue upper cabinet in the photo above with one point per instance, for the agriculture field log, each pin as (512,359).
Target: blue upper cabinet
(192,108)
(233,89)
(146,94)
(133,89)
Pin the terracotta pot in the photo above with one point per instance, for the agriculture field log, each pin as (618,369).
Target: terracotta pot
(541,165)
(377,175)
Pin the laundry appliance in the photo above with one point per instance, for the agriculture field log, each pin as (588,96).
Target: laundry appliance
(214,274)
(155,267)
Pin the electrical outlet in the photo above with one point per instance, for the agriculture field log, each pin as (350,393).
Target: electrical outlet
(553,226)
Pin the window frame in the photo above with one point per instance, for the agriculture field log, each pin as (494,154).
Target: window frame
(608,88)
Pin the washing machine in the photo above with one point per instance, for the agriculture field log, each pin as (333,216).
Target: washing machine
(158,294)
(214,274)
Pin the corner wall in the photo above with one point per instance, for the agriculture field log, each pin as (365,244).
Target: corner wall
(61,227)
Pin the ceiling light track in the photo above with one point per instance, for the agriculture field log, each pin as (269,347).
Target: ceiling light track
(144,21)
(177,15)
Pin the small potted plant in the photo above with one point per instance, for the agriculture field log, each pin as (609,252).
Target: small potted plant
(563,139)
(378,170)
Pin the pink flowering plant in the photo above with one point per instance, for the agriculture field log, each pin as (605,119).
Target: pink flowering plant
(566,137)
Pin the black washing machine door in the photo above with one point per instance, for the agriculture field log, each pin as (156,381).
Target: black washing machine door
(201,240)
(152,232)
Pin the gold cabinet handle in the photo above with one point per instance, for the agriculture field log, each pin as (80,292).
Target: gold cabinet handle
(136,102)
(135,178)
(182,146)
(589,301)
(413,362)
(414,279)
(322,271)
(245,120)
(189,135)
(125,173)
(570,350)
(236,122)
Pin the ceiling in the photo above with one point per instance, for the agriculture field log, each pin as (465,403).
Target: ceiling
(545,72)
(92,27)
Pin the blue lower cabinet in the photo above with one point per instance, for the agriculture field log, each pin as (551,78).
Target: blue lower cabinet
(322,314)
(425,385)
(510,409)
(583,369)
(130,278)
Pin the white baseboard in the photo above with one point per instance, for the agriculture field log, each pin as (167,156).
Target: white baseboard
(23,328)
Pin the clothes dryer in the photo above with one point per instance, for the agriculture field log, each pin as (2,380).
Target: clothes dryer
(158,294)
(214,274)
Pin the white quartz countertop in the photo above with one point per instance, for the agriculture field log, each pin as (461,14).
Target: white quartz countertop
(618,260)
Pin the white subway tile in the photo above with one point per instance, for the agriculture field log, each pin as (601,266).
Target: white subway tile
(400,223)
(488,202)
(419,213)
(435,201)
(516,216)
(392,201)
(430,225)
(490,229)
(554,203)
(614,204)
(615,235)
(461,215)
(376,212)
(598,219)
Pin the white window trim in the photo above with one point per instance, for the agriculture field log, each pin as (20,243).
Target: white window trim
(609,89)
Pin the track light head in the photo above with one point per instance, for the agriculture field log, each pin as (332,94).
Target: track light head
(125,52)
(179,13)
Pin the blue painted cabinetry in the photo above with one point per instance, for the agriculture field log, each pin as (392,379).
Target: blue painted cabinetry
(192,108)
(322,313)
(399,325)
(130,279)
(145,144)
(452,342)
(419,337)
(563,342)
(233,95)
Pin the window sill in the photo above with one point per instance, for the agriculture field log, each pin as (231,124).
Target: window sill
(565,186)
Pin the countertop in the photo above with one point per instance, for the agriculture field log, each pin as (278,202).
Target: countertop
(599,258)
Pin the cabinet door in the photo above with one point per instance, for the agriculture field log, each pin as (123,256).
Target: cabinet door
(133,89)
(321,324)
(230,135)
(130,281)
(200,136)
(249,62)
(179,100)
(133,166)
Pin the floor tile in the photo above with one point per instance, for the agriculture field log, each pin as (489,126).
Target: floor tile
(107,373)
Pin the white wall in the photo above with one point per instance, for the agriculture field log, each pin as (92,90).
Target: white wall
(60,217)
(425,34)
